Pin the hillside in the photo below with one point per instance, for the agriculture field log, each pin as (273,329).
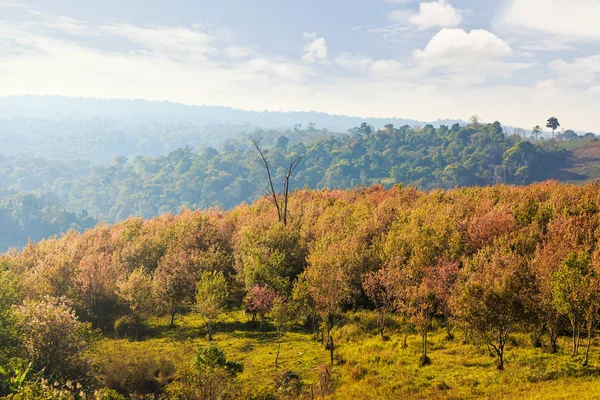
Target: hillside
(365,294)
(230,174)
(584,165)
(136,111)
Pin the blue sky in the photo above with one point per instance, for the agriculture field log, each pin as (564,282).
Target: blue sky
(517,61)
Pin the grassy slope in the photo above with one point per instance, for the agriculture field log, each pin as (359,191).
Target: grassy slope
(585,160)
(372,368)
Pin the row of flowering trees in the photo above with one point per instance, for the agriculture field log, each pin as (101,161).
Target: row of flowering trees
(488,261)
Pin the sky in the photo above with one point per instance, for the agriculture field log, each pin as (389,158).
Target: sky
(515,61)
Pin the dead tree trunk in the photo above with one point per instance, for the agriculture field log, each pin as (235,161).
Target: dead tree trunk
(265,163)
(282,209)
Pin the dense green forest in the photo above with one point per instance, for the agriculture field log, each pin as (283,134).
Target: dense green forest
(28,216)
(229,174)
(483,292)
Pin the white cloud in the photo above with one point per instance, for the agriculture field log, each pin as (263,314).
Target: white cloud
(170,41)
(315,49)
(310,35)
(238,52)
(582,73)
(436,14)
(583,65)
(547,88)
(354,62)
(68,25)
(373,69)
(387,68)
(160,63)
(467,58)
(456,46)
(400,16)
(568,20)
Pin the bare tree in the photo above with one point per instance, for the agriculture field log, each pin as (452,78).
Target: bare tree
(282,209)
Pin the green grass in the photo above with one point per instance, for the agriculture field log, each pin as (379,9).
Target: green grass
(369,367)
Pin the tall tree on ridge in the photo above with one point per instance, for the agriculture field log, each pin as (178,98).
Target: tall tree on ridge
(553,124)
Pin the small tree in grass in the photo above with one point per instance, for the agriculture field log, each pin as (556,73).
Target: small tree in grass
(260,300)
(285,315)
(211,298)
(305,305)
(136,291)
(174,283)
(416,298)
(575,286)
(377,288)
(329,289)
(493,296)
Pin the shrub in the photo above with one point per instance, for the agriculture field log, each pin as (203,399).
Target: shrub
(325,380)
(108,394)
(288,385)
(129,326)
(137,373)
(357,372)
(209,377)
(54,339)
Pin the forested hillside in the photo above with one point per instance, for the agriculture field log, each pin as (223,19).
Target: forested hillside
(229,174)
(27,216)
(365,293)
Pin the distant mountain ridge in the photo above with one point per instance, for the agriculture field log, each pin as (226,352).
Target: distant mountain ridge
(60,107)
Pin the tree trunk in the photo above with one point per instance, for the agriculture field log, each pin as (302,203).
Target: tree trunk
(500,364)
(278,349)
(405,345)
(552,338)
(209,330)
(500,350)
(172,324)
(260,326)
(330,348)
(490,352)
(575,339)
(424,360)
(587,348)
(382,324)
(449,334)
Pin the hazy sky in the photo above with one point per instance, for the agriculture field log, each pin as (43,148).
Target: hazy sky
(516,61)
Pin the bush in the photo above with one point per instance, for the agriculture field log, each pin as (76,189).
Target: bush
(288,385)
(357,372)
(137,373)
(209,377)
(44,389)
(108,394)
(54,339)
(129,326)
(325,380)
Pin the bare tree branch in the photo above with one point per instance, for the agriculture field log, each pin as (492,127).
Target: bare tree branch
(272,194)
(286,186)
(256,143)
